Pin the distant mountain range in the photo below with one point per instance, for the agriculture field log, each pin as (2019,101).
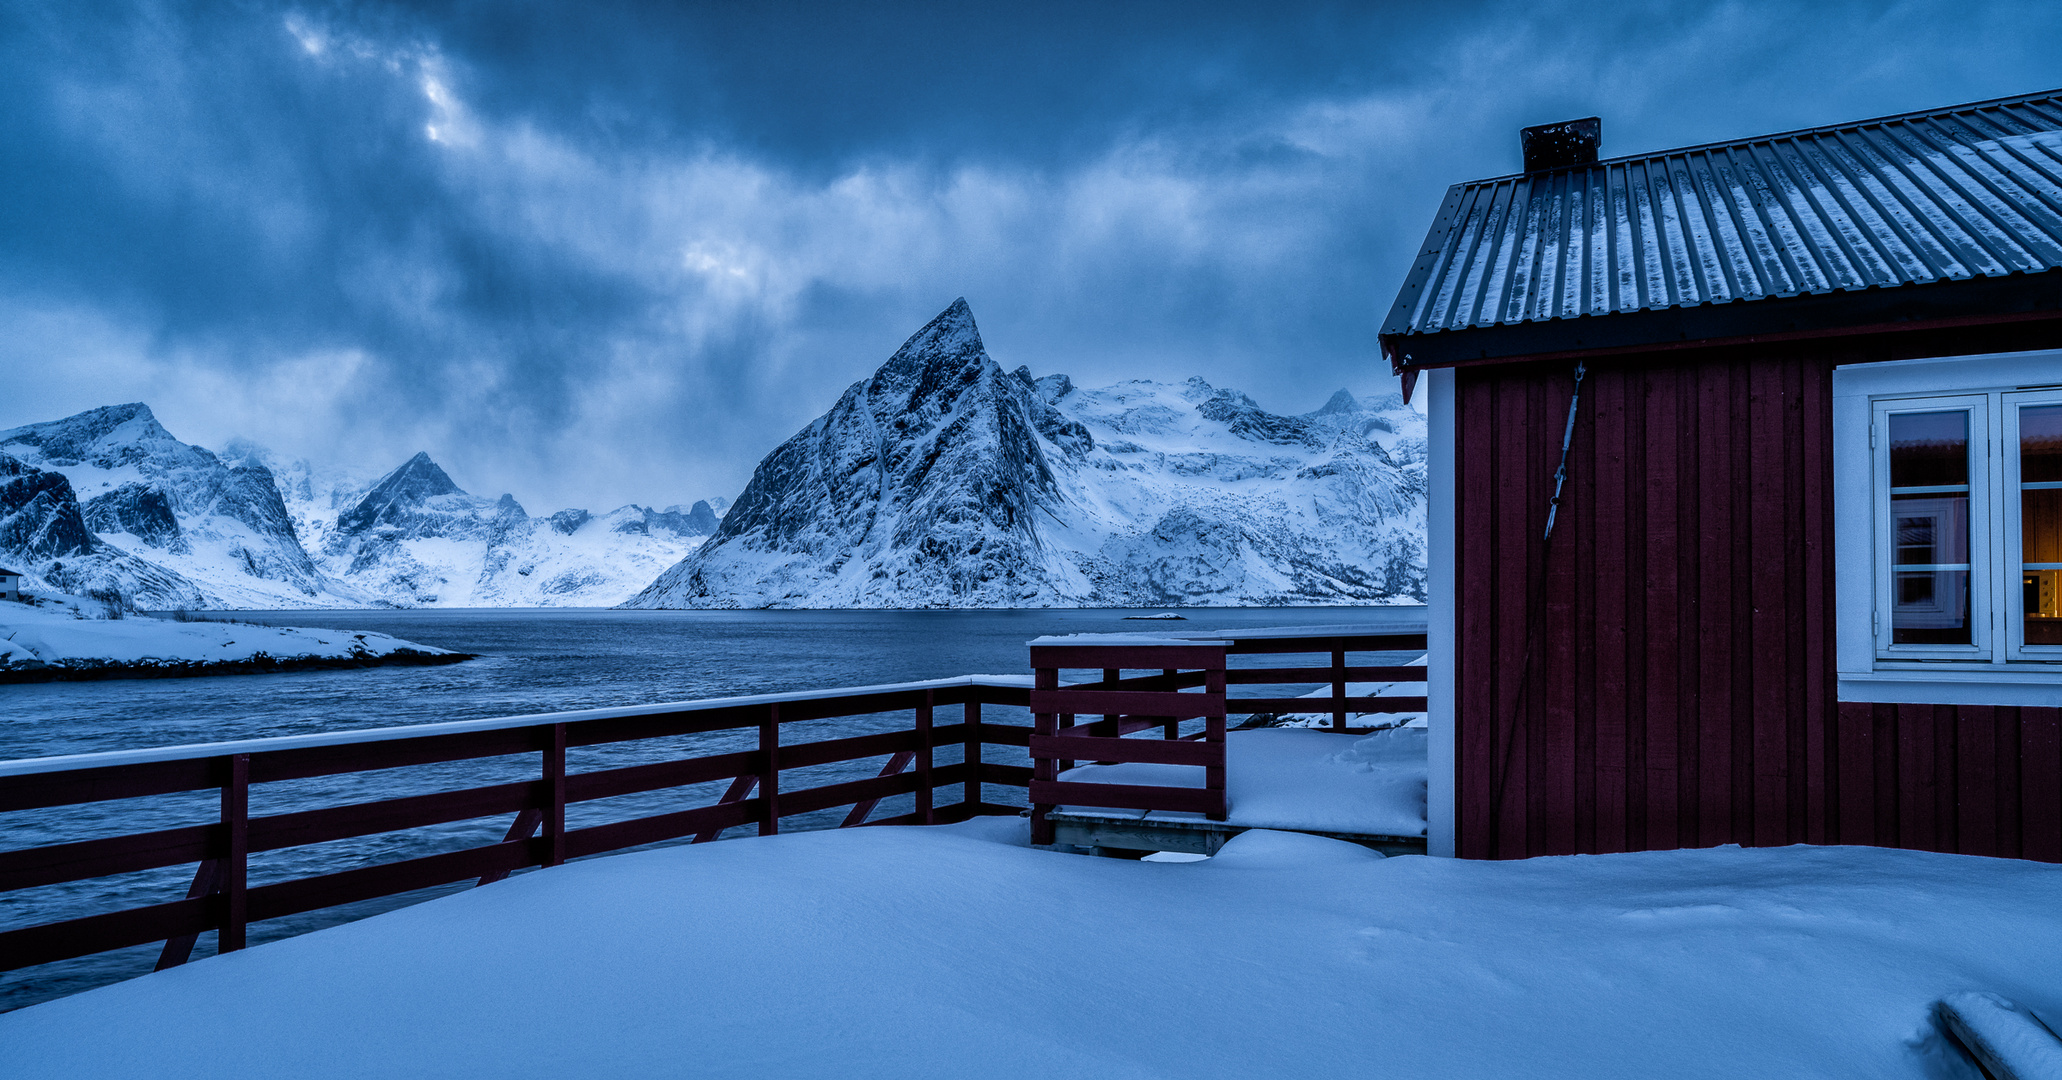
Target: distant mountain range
(944,481)
(940,481)
(110,500)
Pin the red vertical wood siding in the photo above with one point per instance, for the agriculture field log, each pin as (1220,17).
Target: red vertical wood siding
(1663,676)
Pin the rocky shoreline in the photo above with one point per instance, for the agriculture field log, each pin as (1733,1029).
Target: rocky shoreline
(83,670)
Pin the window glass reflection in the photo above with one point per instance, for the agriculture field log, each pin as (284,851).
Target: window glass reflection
(1929,528)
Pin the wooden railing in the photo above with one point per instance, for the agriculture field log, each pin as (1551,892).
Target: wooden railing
(1161,701)
(221,899)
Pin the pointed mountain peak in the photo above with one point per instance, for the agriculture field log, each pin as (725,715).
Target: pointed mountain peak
(945,346)
(415,482)
(422,477)
(1341,402)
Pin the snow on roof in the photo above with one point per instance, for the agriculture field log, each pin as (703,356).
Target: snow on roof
(1951,194)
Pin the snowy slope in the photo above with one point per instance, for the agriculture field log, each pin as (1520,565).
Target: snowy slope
(415,538)
(954,952)
(43,535)
(108,500)
(178,507)
(944,481)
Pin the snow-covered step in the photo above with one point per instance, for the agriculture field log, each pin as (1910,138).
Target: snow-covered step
(2008,1039)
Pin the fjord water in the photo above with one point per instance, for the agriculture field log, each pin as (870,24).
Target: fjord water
(530,661)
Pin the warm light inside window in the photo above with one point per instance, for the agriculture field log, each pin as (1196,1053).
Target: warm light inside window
(2040,521)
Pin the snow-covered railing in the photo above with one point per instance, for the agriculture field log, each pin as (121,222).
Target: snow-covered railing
(222,900)
(682,787)
(1161,702)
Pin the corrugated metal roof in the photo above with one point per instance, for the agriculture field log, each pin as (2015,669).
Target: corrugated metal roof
(1957,193)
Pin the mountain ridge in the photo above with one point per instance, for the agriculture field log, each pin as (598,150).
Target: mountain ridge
(942,481)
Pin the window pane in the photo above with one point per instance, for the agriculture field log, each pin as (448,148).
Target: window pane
(2040,521)
(1929,528)
(1929,449)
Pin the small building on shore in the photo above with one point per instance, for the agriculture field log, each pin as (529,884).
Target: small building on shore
(1746,520)
(10,585)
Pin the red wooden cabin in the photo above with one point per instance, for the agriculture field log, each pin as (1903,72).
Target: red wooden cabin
(1802,583)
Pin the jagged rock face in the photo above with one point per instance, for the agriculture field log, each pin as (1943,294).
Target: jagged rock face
(39,515)
(924,483)
(942,481)
(141,511)
(418,499)
(227,525)
(568,522)
(44,535)
(700,520)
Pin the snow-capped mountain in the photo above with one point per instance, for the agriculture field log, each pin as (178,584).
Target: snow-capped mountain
(415,538)
(109,501)
(180,508)
(943,480)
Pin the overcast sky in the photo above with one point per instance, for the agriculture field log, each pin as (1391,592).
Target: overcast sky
(593,254)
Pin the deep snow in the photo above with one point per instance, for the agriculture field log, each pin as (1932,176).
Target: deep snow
(956,952)
(1296,778)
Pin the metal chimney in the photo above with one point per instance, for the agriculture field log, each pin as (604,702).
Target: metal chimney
(1559,146)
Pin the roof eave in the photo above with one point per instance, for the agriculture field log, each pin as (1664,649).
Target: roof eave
(2008,297)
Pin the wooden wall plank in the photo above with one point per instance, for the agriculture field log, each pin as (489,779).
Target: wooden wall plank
(1514,569)
(1476,704)
(1603,502)
(1976,786)
(2040,784)
(1714,590)
(1555,795)
(1856,809)
(1768,673)
(1917,812)
(1665,609)
(1823,762)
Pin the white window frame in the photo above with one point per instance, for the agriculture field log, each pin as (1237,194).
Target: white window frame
(1998,668)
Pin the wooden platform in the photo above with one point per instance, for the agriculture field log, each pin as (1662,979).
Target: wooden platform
(1129,832)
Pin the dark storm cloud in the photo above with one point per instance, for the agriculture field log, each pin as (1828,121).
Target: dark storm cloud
(596,252)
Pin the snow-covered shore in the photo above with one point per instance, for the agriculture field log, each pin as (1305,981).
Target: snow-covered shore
(956,952)
(72,638)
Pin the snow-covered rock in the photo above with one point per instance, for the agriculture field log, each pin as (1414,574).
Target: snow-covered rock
(44,534)
(110,502)
(944,481)
(415,538)
(73,637)
(220,527)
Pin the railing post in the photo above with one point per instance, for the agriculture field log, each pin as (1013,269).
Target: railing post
(1042,768)
(1338,689)
(972,715)
(1213,733)
(924,810)
(1172,728)
(236,830)
(555,797)
(769,780)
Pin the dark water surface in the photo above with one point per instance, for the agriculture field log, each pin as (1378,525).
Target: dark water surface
(531,661)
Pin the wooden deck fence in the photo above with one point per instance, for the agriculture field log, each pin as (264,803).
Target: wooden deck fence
(221,899)
(1161,701)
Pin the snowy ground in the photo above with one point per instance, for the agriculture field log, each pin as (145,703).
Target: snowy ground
(1294,778)
(70,637)
(956,952)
